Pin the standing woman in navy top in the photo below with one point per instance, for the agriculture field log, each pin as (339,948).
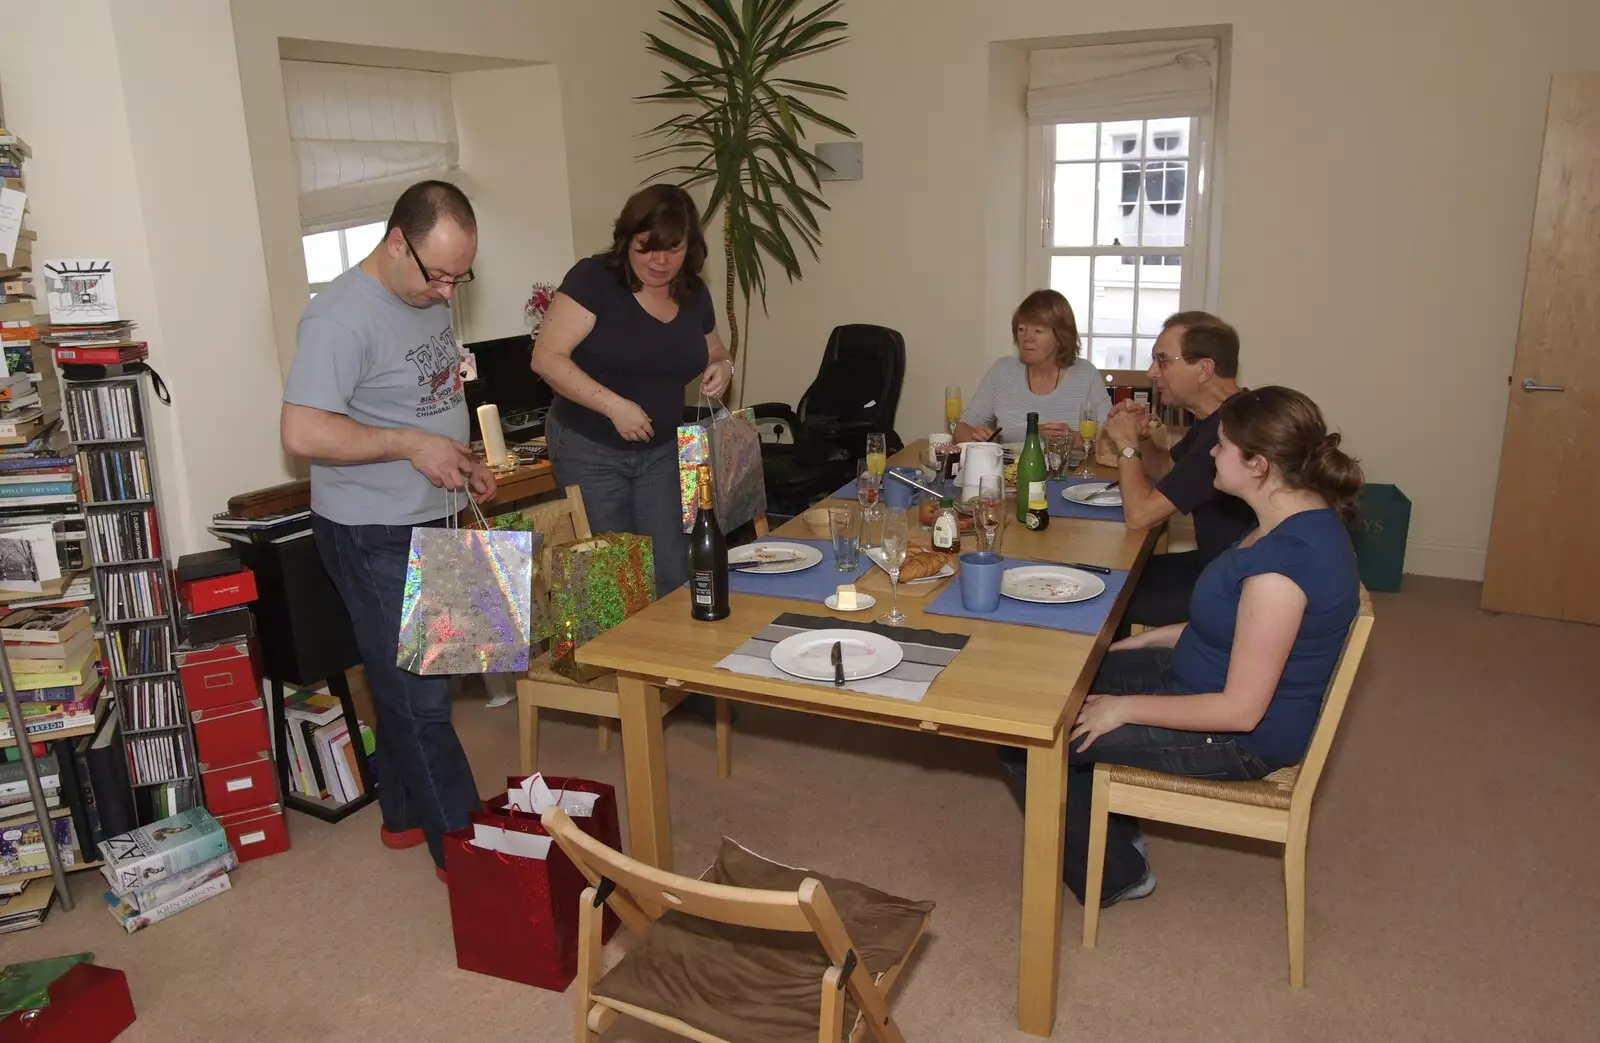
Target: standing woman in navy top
(626,331)
(1235,693)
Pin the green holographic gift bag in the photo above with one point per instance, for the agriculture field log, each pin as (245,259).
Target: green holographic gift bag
(594,585)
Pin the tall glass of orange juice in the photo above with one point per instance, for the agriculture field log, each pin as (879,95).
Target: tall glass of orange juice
(952,407)
(877,455)
(1086,430)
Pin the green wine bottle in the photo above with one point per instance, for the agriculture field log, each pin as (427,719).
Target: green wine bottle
(1033,510)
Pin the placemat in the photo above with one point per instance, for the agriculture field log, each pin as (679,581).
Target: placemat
(927,652)
(1080,617)
(1060,507)
(813,584)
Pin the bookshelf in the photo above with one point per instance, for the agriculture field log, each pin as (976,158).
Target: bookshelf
(107,422)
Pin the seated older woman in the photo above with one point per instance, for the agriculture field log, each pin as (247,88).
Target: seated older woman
(1235,692)
(1045,377)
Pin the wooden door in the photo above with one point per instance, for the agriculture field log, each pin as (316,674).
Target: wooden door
(1544,548)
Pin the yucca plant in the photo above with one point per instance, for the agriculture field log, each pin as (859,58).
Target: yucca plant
(744,132)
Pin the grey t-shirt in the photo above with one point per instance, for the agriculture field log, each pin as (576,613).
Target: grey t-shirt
(366,354)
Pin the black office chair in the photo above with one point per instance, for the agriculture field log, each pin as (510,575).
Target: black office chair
(810,451)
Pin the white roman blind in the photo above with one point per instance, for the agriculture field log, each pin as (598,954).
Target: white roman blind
(362,135)
(1124,81)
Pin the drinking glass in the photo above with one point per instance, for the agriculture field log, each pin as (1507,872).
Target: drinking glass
(988,509)
(1086,430)
(846,533)
(869,490)
(895,536)
(877,453)
(952,406)
(1057,451)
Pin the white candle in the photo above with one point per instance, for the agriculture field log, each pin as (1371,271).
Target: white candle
(494,440)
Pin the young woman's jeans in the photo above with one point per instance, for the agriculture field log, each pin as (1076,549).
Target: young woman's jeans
(1200,755)
(627,490)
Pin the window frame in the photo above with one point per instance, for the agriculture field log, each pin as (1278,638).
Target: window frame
(1198,283)
(345,261)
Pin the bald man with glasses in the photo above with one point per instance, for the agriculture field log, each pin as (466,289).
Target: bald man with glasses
(1195,366)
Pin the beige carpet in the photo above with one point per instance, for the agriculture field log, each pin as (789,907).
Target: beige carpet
(1452,884)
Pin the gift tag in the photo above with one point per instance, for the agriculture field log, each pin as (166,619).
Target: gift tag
(469,365)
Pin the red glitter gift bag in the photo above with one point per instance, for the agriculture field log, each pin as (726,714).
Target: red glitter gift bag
(592,807)
(513,903)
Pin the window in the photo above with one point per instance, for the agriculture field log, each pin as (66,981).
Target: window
(1120,235)
(331,254)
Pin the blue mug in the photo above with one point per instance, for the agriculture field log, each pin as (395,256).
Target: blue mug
(898,494)
(981,571)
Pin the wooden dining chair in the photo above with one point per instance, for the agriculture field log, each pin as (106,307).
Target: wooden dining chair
(751,950)
(1276,808)
(543,687)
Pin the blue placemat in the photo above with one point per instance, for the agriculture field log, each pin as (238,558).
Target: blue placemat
(1061,507)
(813,584)
(847,491)
(1081,617)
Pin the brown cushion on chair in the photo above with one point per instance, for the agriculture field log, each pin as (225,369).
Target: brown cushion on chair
(1273,791)
(742,983)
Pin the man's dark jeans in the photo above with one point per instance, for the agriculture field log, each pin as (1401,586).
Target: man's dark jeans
(1200,755)
(424,779)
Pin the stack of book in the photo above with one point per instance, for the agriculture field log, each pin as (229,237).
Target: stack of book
(24,903)
(322,753)
(55,667)
(159,870)
(29,395)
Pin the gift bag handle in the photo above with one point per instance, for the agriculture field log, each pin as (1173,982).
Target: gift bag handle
(452,520)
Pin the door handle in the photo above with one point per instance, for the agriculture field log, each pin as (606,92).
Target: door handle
(1533,385)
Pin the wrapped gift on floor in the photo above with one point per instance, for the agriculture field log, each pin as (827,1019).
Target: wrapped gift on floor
(594,585)
(64,1000)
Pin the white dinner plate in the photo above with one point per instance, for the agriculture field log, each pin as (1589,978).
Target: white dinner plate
(810,655)
(809,556)
(1051,584)
(876,554)
(1088,493)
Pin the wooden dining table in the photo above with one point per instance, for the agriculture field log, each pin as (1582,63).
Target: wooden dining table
(1046,675)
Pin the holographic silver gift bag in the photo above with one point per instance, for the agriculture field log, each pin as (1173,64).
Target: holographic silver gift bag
(468,607)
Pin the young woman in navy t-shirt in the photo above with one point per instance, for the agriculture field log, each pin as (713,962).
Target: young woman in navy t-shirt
(1235,692)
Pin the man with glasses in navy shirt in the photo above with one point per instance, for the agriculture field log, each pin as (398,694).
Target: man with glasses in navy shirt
(374,401)
(1195,366)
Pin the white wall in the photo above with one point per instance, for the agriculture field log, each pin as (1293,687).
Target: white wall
(513,151)
(1382,274)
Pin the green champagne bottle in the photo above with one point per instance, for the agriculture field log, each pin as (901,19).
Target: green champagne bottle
(1033,509)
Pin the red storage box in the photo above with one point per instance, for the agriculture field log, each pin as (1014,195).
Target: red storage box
(235,787)
(217,676)
(88,1004)
(230,734)
(256,832)
(214,592)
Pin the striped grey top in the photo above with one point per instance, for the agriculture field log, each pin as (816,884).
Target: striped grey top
(1004,400)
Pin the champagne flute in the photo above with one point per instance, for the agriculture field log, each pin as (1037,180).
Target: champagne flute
(869,489)
(877,453)
(895,535)
(987,510)
(1086,430)
(952,407)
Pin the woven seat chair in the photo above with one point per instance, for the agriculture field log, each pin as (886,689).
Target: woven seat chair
(1275,808)
(753,950)
(562,521)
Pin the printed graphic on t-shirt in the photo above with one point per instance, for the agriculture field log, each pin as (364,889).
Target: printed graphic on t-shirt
(437,373)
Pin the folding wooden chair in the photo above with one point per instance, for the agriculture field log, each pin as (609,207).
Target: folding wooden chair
(751,951)
(1276,808)
(543,687)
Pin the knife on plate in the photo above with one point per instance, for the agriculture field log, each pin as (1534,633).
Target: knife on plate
(838,664)
(756,563)
(1087,568)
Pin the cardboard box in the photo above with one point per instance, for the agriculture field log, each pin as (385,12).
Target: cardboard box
(217,592)
(230,734)
(220,675)
(257,832)
(235,787)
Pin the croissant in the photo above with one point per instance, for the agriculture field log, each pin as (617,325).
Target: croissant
(920,564)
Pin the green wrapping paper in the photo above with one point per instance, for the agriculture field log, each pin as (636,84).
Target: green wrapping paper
(594,585)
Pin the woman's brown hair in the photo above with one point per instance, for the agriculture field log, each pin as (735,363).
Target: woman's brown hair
(668,216)
(1286,429)
(1048,308)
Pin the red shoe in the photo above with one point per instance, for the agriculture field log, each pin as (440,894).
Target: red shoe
(399,840)
(444,877)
